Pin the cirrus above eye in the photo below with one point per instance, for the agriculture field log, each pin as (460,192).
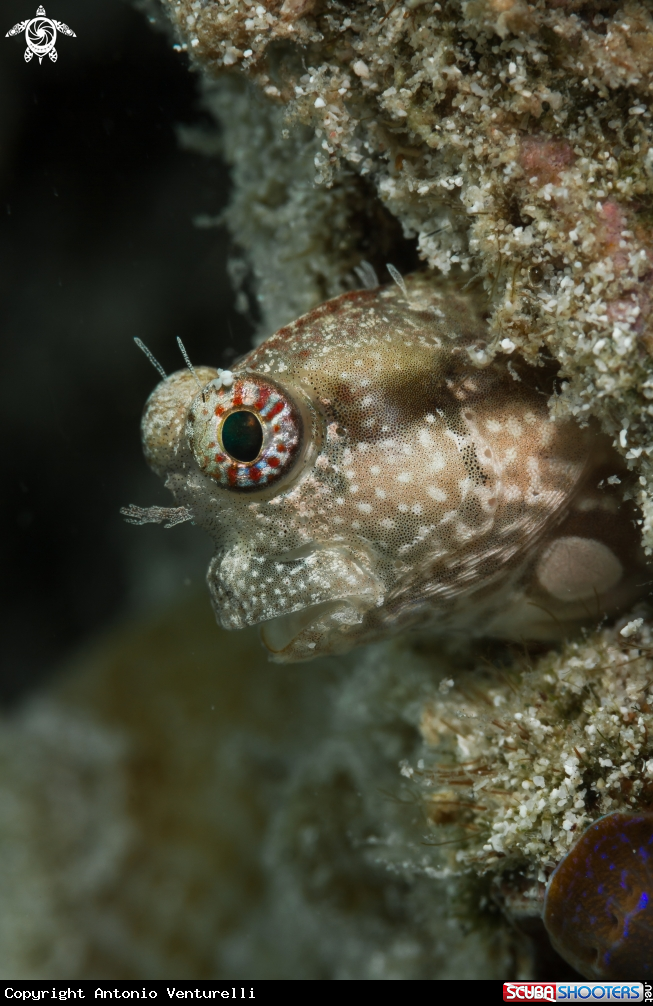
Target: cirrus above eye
(246,436)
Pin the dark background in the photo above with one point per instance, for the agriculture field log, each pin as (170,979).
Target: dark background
(97,245)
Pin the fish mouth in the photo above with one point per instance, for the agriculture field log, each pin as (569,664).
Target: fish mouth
(311,600)
(318,629)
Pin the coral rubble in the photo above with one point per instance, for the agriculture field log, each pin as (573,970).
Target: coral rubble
(521,758)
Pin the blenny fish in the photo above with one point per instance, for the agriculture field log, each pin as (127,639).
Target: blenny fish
(371,468)
(598,909)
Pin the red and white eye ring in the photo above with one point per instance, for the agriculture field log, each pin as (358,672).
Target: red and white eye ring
(245,436)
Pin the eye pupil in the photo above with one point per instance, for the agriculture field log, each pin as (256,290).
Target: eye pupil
(242,436)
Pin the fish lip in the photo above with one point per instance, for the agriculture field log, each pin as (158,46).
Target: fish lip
(331,578)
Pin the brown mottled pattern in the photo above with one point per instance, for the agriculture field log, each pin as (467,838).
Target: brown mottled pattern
(430,491)
(599,902)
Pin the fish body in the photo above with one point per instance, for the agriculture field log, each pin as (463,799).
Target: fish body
(367,469)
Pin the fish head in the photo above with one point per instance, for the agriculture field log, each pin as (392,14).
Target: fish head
(365,464)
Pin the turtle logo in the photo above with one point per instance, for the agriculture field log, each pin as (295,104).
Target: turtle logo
(40,35)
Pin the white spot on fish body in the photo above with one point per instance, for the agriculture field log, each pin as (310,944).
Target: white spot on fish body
(437,462)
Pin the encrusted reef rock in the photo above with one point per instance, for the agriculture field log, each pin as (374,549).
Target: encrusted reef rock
(521,758)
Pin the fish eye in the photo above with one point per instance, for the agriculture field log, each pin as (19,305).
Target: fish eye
(246,436)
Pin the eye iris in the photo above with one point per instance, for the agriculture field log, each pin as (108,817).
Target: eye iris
(246,435)
(242,436)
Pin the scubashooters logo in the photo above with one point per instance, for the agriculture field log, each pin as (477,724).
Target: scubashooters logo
(40,35)
(572,991)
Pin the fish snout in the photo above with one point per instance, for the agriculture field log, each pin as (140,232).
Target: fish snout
(311,601)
